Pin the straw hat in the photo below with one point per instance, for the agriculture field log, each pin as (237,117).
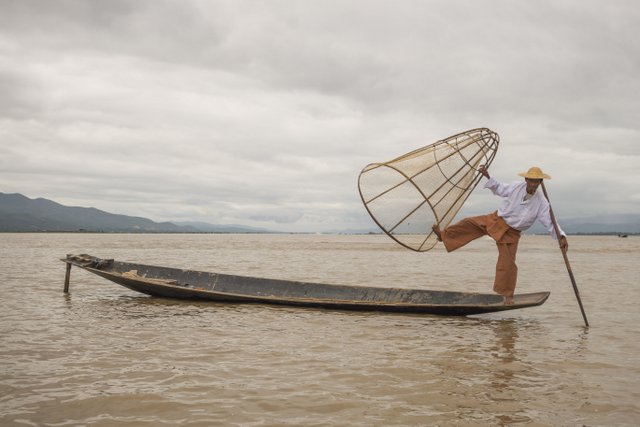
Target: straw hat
(535,173)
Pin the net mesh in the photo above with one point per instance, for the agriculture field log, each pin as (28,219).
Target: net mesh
(407,195)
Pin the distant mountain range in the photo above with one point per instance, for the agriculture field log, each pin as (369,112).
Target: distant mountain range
(19,213)
(598,224)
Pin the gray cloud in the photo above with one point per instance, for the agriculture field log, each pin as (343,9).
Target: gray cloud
(264,113)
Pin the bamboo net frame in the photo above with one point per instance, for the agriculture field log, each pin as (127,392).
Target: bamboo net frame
(407,195)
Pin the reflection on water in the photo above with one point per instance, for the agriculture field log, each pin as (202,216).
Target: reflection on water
(105,355)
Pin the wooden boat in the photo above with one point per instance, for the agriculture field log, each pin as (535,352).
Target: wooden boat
(198,285)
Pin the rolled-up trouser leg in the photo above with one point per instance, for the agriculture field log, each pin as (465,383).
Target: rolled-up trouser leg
(506,269)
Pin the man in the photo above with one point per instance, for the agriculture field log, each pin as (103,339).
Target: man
(522,206)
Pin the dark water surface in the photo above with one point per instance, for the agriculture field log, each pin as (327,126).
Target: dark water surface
(104,355)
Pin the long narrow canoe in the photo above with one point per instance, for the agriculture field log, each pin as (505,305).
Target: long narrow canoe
(198,285)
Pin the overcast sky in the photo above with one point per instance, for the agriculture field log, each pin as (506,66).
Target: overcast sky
(263,113)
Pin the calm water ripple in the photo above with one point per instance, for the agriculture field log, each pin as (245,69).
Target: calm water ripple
(104,355)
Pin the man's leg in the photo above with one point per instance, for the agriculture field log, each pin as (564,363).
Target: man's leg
(506,270)
(462,232)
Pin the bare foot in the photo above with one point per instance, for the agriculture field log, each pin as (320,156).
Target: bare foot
(437,232)
(508,300)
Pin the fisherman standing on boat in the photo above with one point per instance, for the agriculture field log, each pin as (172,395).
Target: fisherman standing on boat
(522,206)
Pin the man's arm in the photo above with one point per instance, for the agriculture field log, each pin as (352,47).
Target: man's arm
(545,219)
(496,187)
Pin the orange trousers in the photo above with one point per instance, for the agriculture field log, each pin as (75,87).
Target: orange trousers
(468,229)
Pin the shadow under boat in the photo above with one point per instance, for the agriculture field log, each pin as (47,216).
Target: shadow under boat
(198,285)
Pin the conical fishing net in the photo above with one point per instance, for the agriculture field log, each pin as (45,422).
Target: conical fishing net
(407,195)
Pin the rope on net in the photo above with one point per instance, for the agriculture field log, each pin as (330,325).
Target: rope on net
(407,195)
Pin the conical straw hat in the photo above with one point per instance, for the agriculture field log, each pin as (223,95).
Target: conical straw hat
(535,173)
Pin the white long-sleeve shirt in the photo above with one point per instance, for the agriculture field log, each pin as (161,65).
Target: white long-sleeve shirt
(519,213)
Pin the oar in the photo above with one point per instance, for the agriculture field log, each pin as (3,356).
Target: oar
(564,255)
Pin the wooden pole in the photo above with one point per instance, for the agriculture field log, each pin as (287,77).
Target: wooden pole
(566,258)
(66,278)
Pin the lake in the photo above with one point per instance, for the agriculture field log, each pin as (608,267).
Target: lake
(104,355)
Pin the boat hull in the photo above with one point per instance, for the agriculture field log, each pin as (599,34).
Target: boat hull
(197,285)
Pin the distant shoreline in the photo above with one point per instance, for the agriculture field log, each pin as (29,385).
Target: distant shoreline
(143,232)
(612,233)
